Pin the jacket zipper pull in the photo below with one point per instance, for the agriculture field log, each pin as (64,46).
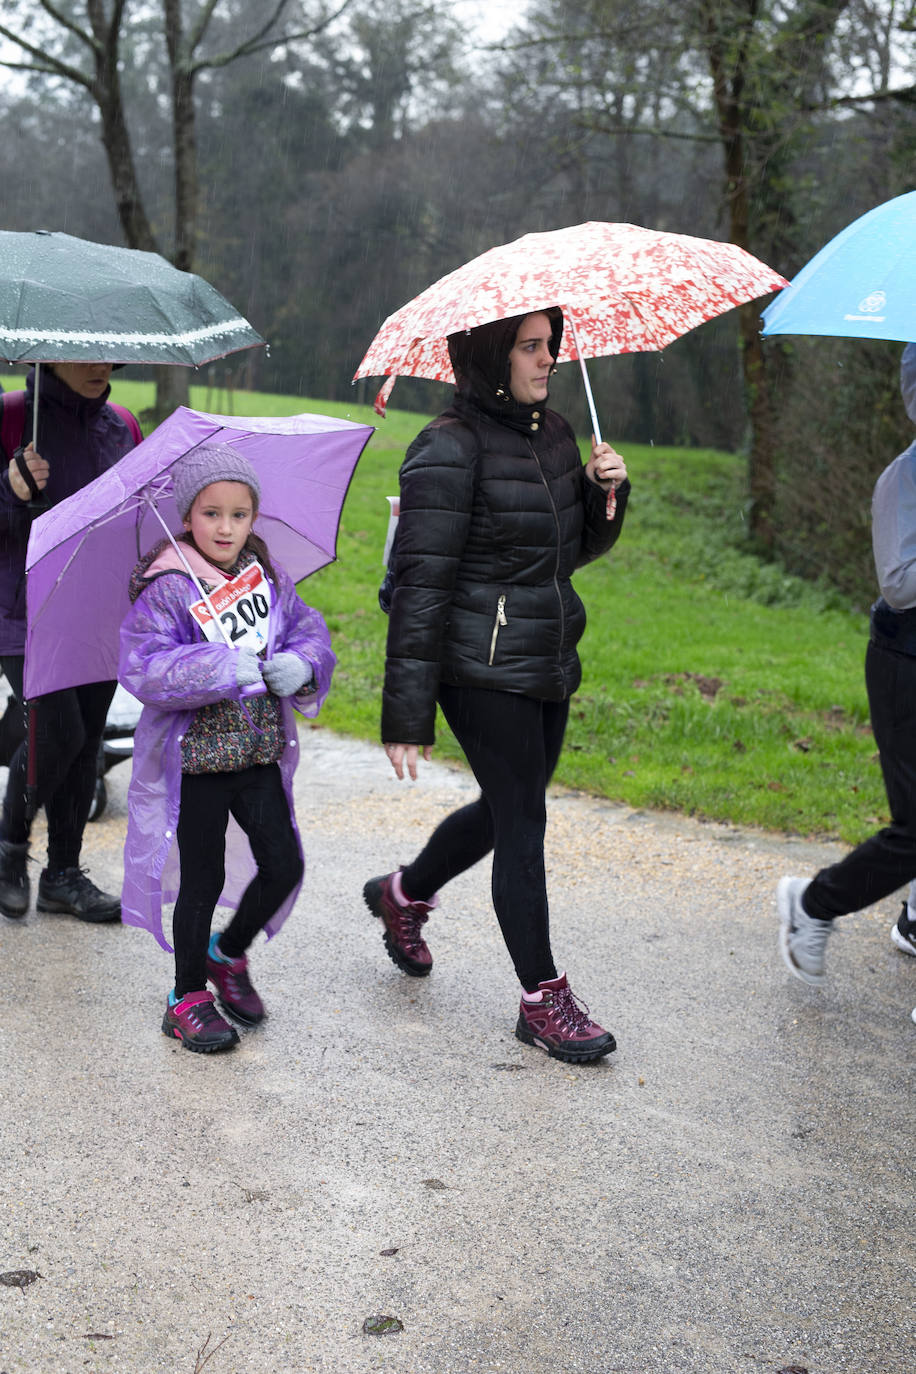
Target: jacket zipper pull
(500,620)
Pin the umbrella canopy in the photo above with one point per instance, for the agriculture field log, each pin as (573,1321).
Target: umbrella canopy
(861,285)
(622,288)
(64,299)
(82,551)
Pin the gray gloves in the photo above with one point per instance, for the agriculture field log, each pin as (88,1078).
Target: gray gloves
(248,668)
(286,673)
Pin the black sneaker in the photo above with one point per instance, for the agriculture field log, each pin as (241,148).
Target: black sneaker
(903,932)
(71,893)
(15,893)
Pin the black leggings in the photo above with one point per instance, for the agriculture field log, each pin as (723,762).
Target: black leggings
(68,732)
(255,797)
(886,860)
(512,744)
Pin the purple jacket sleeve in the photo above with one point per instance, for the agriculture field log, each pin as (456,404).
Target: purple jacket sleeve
(163,660)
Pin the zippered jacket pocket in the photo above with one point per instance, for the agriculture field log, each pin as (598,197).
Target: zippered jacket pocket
(499,620)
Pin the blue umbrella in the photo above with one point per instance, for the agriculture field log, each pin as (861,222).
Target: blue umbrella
(861,285)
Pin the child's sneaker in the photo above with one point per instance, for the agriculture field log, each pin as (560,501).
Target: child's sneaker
(555,1019)
(802,938)
(194,1021)
(903,931)
(403,922)
(233,986)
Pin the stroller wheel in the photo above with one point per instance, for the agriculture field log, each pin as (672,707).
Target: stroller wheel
(99,799)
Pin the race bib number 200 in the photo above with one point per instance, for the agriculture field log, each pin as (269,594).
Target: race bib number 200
(242,606)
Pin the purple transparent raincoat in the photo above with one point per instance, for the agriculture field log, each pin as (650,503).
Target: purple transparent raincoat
(164,663)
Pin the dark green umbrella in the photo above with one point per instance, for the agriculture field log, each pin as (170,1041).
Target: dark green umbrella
(64,299)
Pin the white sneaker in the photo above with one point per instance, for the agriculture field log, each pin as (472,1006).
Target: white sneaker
(801,937)
(903,931)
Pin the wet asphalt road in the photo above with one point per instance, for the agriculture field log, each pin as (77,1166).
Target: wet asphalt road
(731,1191)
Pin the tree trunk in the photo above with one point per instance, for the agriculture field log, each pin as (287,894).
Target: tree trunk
(727,52)
(173,388)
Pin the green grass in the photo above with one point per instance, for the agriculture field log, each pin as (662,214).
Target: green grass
(713,684)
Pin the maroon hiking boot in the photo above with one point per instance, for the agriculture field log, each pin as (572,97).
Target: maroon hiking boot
(560,1024)
(403,925)
(194,1020)
(233,986)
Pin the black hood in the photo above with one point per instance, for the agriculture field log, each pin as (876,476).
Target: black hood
(480,359)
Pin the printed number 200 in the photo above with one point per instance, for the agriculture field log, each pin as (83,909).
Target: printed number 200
(248,612)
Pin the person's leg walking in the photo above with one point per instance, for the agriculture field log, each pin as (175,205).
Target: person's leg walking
(512,744)
(260,806)
(886,860)
(201,836)
(190,1014)
(68,805)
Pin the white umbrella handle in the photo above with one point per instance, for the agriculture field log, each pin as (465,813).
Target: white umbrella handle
(191,573)
(596,428)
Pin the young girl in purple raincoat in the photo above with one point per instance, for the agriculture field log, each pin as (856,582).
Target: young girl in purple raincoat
(214,749)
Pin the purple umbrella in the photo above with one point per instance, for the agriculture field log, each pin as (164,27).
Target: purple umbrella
(82,551)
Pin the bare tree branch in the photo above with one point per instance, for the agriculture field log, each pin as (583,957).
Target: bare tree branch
(203,23)
(258,42)
(906,94)
(51,65)
(67,23)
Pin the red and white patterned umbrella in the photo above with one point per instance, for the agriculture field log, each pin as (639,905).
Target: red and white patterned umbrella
(623,289)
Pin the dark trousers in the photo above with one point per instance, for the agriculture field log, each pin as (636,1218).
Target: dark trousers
(68,729)
(255,797)
(512,744)
(887,860)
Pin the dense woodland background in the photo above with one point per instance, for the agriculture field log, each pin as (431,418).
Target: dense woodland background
(322,164)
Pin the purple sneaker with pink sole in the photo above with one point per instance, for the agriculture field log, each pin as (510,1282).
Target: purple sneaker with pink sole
(234,989)
(194,1020)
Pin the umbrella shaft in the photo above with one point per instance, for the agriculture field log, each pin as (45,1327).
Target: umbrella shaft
(596,428)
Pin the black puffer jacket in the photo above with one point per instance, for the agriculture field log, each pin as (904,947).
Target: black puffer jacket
(496,513)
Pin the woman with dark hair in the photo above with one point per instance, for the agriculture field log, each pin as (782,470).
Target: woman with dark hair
(496,512)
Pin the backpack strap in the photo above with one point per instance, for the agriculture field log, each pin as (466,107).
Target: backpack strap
(129,419)
(12,421)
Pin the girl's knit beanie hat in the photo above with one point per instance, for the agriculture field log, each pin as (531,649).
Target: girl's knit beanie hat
(210,463)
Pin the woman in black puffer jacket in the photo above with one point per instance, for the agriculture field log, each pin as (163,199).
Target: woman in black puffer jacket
(497,511)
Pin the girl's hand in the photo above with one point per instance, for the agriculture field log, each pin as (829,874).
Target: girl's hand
(248,668)
(605,467)
(37,467)
(285,674)
(398,754)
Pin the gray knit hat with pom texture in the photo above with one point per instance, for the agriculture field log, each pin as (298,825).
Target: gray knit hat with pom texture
(210,463)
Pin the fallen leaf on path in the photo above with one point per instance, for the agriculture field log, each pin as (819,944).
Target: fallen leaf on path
(19,1278)
(436,1184)
(382,1326)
